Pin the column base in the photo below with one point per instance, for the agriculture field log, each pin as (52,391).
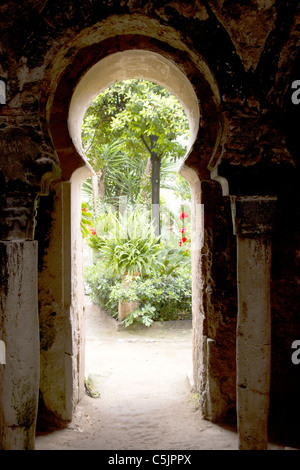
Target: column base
(18,438)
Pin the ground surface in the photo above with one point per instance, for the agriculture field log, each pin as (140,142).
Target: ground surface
(145,400)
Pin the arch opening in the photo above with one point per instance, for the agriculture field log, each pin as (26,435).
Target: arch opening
(134,64)
(75,91)
(124,197)
(119,66)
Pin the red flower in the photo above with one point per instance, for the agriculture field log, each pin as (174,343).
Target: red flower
(184,239)
(182,230)
(93,231)
(180,242)
(184,215)
(84,209)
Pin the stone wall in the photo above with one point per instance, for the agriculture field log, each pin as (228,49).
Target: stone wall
(240,59)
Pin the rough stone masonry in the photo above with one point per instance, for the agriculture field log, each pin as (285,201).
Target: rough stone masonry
(239,61)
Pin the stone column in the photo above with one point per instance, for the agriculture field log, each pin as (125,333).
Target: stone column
(252,217)
(19,324)
(27,168)
(19,376)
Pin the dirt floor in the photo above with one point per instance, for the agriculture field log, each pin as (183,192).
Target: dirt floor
(145,400)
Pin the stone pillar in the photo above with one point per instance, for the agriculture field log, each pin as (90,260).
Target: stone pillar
(26,171)
(19,323)
(27,168)
(19,376)
(252,218)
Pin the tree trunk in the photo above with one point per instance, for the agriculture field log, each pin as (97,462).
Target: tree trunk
(101,184)
(95,190)
(146,178)
(155,185)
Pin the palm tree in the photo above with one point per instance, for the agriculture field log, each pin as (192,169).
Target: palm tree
(149,119)
(117,175)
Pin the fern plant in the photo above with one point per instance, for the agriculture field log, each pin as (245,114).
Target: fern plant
(129,247)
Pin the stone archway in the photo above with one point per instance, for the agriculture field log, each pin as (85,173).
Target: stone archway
(91,69)
(242,138)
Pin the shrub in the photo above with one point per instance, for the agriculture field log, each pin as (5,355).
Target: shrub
(134,265)
(129,246)
(100,284)
(168,295)
(162,297)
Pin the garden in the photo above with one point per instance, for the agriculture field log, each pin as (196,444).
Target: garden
(136,208)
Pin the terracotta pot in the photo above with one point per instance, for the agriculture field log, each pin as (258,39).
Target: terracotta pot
(125,307)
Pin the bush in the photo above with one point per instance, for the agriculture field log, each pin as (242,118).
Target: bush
(128,246)
(134,265)
(162,297)
(100,285)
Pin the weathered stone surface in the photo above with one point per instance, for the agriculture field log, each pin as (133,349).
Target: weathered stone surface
(25,172)
(253,224)
(240,59)
(19,376)
(253,215)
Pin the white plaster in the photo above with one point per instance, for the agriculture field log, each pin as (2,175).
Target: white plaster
(220,179)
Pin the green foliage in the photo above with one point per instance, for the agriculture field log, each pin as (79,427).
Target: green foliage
(144,315)
(163,295)
(120,173)
(100,284)
(86,220)
(132,111)
(169,297)
(172,260)
(90,387)
(104,225)
(178,185)
(128,124)
(126,244)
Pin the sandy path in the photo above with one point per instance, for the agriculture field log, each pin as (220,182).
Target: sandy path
(145,399)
